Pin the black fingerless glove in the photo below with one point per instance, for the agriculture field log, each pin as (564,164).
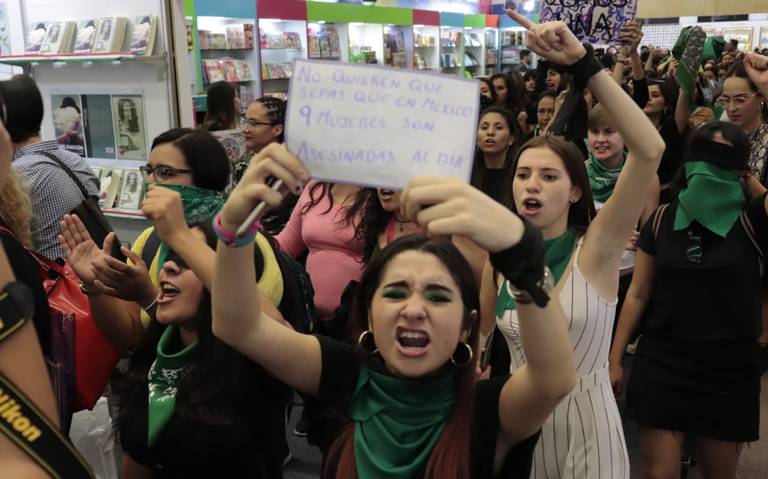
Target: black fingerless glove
(523,264)
(584,69)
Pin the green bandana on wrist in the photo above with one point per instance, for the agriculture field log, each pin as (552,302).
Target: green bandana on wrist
(398,423)
(200,204)
(167,369)
(557,255)
(714,197)
(602,180)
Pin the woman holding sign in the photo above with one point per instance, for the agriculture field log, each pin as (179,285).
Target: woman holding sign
(584,436)
(408,392)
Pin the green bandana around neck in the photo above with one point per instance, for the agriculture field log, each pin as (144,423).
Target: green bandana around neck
(714,197)
(557,255)
(166,370)
(200,204)
(398,423)
(602,180)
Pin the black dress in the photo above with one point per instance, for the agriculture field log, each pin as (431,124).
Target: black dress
(696,368)
(341,366)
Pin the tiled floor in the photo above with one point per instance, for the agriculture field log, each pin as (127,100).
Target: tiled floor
(753,464)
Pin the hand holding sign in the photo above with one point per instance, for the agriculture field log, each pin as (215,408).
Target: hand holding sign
(552,40)
(447,206)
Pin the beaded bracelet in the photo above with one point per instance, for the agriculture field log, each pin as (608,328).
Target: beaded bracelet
(230,238)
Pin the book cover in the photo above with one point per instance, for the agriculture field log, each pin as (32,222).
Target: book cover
(110,185)
(54,38)
(233,143)
(213,71)
(86,33)
(333,40)
(325,48)
(130,190)
(99,134)
(36,36)
(109,35)
(249,35)
(68,123)
(292,40)
(143,37)
(229,69)
(128,121)
(314,47)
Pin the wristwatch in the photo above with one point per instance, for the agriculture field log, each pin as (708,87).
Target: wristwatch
(546,284)
(16,306)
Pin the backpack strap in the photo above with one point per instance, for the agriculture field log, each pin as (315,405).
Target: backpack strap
(746,223)
(657,217)
(31,430)
(68,171)
(150,248)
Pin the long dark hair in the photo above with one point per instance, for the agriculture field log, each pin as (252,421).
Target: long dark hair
(515,99)
(205,395)
(480,171)
(450,457)
(492,90)
(204,154)
(580,214)
(374,220)
(220,111)
(324,191)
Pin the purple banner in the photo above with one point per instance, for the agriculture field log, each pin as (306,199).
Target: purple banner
(593,21)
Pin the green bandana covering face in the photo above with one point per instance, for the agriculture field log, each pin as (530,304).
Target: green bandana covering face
(602,179)
(200,204)
(714,197)
(398,423)
(557,255)
(168,367)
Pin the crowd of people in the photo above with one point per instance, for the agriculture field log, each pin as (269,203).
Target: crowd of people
(448,330)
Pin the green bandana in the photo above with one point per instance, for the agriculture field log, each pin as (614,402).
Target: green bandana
(398,423)
(688,51)
(714,198)
(713,48)
(557,254)
(168,367)
(602,179)
(200,204)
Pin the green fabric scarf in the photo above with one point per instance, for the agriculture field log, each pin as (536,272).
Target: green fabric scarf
(398,423)
(168,367)
(602,179)
(688,51)
(713,48)
(200,204)
(714,198)
(558,252)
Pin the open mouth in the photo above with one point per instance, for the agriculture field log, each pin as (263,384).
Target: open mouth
(412,342)
(531,206)
(386,195)
(167,292)
(489,143)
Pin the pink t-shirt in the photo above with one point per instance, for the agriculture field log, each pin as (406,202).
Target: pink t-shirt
(335,256)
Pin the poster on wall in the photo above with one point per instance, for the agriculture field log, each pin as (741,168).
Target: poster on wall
(68,123)
(99,135)
(128,121)
(594,21)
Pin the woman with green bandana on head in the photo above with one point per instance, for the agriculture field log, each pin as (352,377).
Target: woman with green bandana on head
(696,290)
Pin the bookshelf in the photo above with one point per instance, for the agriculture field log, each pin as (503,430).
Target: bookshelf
(280,43)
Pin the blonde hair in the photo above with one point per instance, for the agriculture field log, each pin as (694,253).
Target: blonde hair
(598,118)
(16,208)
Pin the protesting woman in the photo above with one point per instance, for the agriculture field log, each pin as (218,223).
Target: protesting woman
(584,437)
(409,391)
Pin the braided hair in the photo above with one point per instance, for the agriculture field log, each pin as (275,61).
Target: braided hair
(276,108)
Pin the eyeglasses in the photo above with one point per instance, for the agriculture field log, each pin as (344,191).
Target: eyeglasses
(695,250)
(161,172)
(251,123)
(738,101)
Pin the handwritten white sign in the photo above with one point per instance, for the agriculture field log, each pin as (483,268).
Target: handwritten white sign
(378,126)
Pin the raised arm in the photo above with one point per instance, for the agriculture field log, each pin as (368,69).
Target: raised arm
(757,69)
(238,317)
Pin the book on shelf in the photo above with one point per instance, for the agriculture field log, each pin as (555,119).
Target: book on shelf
(130,132)
(325,48)
(314,47)
(213,71)
(109,187)
(248,30)
(234,34)
(204,39)
(272,40)
(334,43)
(86,34)
(472,40)
(130,189)
(292,40)
(275,71)
(243,71)
(68,123)
(144,33)
(229,69)
(36,37)
(110,34)
(99,132)
(58,39)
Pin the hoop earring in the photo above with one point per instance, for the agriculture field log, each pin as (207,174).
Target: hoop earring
(367,342)
(462,362)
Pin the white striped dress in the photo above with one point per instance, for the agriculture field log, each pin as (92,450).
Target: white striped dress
(583,438)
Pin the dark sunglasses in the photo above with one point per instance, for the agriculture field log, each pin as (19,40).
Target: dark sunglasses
(162,172)
(694,251)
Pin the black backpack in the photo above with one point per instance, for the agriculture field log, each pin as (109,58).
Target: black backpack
(298,304)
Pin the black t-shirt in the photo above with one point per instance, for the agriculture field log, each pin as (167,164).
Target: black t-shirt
(716,300)
(26,271)
(673,153)
(341,366)
(249,447)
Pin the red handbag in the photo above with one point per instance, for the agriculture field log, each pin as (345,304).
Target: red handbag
(95,357)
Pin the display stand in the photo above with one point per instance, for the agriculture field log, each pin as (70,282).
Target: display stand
(474,51)
(452,50)
(426,49)
(366,43)
(280,42)
(122,99)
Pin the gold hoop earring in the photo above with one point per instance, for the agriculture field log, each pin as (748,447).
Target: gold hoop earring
(367,343)
(467,352)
